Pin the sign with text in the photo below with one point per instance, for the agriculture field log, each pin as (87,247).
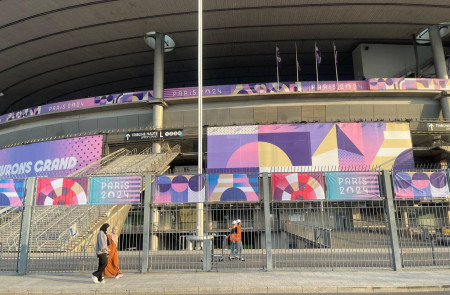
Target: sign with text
(352,185)
(152,134)
(438,127)
(115,190)
(60,157)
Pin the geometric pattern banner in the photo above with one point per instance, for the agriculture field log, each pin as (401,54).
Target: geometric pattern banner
(233,187)
(337,146)
(115,190)
(297,186)
(62,191)
(419,185)
(179,189)
(12,192)
(352,185)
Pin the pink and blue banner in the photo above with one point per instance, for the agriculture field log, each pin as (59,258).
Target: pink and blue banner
(298,186)
(115,190)
(420,185)
(61,191)
(179,189)
(233,188)
(12,192)
(375,84)
(352,185)
(60,157)
(325,146)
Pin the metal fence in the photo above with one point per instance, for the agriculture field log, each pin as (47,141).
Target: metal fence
(62,238)
(325,234)
(315,234)
(10,228)
(424,232)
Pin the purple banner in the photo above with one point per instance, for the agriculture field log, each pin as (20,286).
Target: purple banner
(419,185)
(237,89)
(60,157)
(179,189)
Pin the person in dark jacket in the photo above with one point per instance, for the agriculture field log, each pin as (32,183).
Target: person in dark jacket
(102,250)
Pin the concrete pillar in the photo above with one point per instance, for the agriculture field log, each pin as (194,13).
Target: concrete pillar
(158,87)
(439,65)
(155,223)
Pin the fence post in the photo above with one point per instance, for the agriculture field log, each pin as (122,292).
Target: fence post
(146,228)
(396,256)
(268,230)
(26,224)
(207,255)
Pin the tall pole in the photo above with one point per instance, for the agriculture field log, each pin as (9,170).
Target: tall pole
(335,65)
(439,65)
(416,55)
(158,87)
(200,112)
(296,60)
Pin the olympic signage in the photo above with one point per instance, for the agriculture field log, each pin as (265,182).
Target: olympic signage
(115,190)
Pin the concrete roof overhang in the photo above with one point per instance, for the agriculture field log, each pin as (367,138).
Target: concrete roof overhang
(53,51)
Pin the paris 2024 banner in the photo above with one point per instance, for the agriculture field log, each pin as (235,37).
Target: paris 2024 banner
(317,146)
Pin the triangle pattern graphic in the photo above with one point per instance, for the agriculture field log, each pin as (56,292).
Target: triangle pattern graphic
(344,143)
(329,142)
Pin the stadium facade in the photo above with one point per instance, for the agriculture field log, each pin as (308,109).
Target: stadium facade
(294,92)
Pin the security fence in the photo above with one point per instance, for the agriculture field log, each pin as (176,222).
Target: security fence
(323,232)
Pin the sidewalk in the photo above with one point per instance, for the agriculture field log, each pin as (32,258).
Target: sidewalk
(244,282)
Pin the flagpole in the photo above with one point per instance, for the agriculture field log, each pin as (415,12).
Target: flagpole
(335,65)
(317,70)
(296,60)
(276,60)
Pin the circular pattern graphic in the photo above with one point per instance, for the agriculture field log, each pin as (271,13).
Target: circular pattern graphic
(197,183)
(233,194)
(62,191)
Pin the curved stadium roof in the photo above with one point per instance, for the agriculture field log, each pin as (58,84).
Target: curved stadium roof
(60,50)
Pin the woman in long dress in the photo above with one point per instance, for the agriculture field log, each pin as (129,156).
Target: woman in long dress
(112,268)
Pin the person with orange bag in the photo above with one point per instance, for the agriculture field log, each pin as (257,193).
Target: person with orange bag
(232,239)
(238,240)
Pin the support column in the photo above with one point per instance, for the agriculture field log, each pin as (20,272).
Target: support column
(158,87)
(154,216)
(439,65)
(267,228)
(146,229)
(26,224)
(395,245)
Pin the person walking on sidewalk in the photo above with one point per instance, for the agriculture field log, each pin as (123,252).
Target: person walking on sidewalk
(232,239)
(102,250)
(112,268)
(238,239)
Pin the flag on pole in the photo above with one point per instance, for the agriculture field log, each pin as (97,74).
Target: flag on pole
(335,54)
(296,61)
(318,55)
(278,57)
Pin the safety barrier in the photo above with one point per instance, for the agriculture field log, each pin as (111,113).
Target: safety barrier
(388,229)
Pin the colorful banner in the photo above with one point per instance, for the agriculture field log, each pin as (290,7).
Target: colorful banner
(233,187)
(60,157)
(297,186)
(325,146)
(352,185)
(179,189)
(238,89)
(61,191)
(419,185)
(115,190)
(12,192)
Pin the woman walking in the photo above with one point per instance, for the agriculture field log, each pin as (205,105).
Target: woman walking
(112,269)
(102,250)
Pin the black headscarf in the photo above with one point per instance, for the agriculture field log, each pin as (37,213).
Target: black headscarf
(104,228)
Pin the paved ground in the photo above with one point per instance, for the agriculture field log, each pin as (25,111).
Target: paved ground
(240,282)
